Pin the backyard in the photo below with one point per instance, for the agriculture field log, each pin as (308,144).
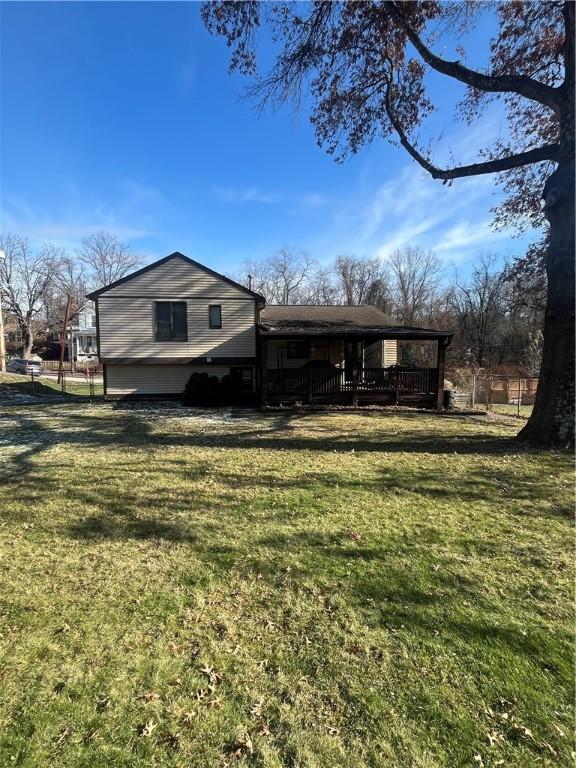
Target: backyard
(308,590)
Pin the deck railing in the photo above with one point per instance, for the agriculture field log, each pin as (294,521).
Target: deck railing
(326,381)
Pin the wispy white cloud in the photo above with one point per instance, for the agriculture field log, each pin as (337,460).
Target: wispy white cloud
(245,195)
(130,216)
(413,209)
(294,202)
(466,235)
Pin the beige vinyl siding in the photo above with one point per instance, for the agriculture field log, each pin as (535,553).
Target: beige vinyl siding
(381,353)
(127,327)
(175,278)
(390,352)
(123,380)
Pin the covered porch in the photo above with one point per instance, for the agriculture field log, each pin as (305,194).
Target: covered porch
(350,360)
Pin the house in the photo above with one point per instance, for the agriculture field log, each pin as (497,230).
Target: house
(84,333)
(174,317)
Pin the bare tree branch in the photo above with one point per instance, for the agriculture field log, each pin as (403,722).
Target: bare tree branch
(547,152)
(520,84)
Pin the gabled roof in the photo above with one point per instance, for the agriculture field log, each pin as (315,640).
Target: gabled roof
(314,320)
(175,255)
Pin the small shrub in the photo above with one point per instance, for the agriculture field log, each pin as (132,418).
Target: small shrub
(201,389)
(230,392)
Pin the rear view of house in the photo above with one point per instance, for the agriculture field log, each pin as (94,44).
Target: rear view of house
(169,319)
(175,317)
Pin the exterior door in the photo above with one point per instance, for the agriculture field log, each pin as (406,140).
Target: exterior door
(353,355)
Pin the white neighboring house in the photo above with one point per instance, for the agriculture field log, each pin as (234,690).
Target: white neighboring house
(85,335)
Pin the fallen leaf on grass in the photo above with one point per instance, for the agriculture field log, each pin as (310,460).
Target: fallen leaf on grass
(256,710)
(146,730)
(242,747)
(150,696)
(63,735)
(211,674)
(103,703)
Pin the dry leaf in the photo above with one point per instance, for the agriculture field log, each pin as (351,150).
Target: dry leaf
(256,710)
(211,674)
(151,696)
(242,747)
(146,730)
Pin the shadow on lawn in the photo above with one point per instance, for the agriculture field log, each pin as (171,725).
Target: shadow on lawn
(128,426)
(393,583)
(132,430)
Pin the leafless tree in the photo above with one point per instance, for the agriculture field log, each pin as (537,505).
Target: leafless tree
(107,258)
(416,278)
(25,279)
(359,279)
(480,307)
(285,277)
(69,280)
(322,287)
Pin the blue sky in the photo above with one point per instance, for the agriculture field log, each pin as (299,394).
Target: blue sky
(122,116)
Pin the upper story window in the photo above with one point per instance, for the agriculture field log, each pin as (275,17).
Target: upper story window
(215,316)
(171,321)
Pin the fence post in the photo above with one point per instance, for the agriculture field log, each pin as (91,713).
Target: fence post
(519,395)
(473,391)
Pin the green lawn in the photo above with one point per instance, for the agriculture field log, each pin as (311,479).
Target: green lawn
(511,409)
(302,591)
(46,387)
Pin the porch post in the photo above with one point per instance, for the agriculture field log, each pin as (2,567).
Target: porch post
(354,373)
(441,365)
(264,370)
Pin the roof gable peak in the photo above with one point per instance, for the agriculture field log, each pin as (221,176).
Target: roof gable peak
(175,255)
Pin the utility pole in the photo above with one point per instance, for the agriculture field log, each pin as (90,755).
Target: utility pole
(63,337)
(2,344)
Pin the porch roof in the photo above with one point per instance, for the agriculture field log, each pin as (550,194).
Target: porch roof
(336,320)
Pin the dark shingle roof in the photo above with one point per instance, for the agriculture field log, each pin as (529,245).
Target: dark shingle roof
(335,319)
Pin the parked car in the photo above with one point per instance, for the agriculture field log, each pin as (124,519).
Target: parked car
(18,365)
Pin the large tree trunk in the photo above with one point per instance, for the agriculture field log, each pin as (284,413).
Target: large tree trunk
(27,341)
(552,420)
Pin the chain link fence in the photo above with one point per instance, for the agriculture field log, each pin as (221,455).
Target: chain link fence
(500,393)
(87,386)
